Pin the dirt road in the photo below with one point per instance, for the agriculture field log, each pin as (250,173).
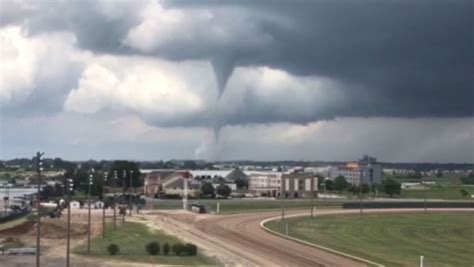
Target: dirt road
(242,236)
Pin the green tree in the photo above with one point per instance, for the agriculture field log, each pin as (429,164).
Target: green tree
(223,190)
(123,169)
(153,248)
(113,249)
(329,185)
(178,249)
(392,187)
(207,189)
(340,183)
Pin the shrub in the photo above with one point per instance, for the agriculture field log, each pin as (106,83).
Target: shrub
(113,249)
(153,248)
(178,249)
(166,248)
(190,249)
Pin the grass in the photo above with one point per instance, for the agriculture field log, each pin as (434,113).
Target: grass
(13,223)
(444,239)
(438,192)
(132,238)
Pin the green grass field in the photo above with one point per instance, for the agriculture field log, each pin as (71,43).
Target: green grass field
(438,192)
(132,238)
(445,239)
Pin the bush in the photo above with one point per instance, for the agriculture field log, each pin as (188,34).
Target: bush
(153,248)
(166,248)
(178,249)
(190,249)
(113,249)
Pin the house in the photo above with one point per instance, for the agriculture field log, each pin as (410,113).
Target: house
(175,184)
(299,185)
(236,175)
(265,184)
(153,184)
(170,182)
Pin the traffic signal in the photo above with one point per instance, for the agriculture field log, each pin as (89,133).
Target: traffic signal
(39,161)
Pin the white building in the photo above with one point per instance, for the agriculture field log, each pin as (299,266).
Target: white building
(265,184)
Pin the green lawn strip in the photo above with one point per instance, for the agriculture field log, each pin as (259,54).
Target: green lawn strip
(13,223)
(132,238)
(392,239)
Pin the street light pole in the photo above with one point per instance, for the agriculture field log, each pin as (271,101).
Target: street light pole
(115,200)
(69,188)
(39,168)
(130,203)
(103,205)
(91,176)
(123,210)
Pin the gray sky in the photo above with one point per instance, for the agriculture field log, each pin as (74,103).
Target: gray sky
(303,80)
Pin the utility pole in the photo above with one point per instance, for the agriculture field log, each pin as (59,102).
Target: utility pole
(91,177)
(103,206)
(39,169)
(69,188)
(312,204)
(115,200)
(123,209)
(360,197)
(130,203)
(424,193)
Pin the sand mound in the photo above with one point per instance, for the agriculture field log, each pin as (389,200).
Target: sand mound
(58,228)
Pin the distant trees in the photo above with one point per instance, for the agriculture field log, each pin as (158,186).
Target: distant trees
(340,183)
(391,187)
(223,190)
(329,184)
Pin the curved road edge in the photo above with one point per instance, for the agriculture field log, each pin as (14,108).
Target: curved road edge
(340,253)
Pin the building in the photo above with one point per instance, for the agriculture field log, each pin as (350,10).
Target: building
(366,171)
(299,185)
(265,184)
(157,182)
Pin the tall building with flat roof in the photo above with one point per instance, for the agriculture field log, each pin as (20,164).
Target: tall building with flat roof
(366,171)
(299,185)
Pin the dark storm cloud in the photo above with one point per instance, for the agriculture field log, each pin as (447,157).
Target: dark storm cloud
(395,58)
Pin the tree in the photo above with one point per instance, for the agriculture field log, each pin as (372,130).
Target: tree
(166,249)
(207,189)
(153,248)
(113,249)
(329,185)
(122,165)
(223,190)
(190,249)
(340,183)
(178,249)
(439,174)
(392,187)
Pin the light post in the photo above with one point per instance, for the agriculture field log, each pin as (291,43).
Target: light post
(130,203)
(115,200)
(39,169)
(91,177)
(122,209)
(103,205)
(69,188)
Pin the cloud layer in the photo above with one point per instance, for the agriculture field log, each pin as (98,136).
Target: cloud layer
(208,64)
